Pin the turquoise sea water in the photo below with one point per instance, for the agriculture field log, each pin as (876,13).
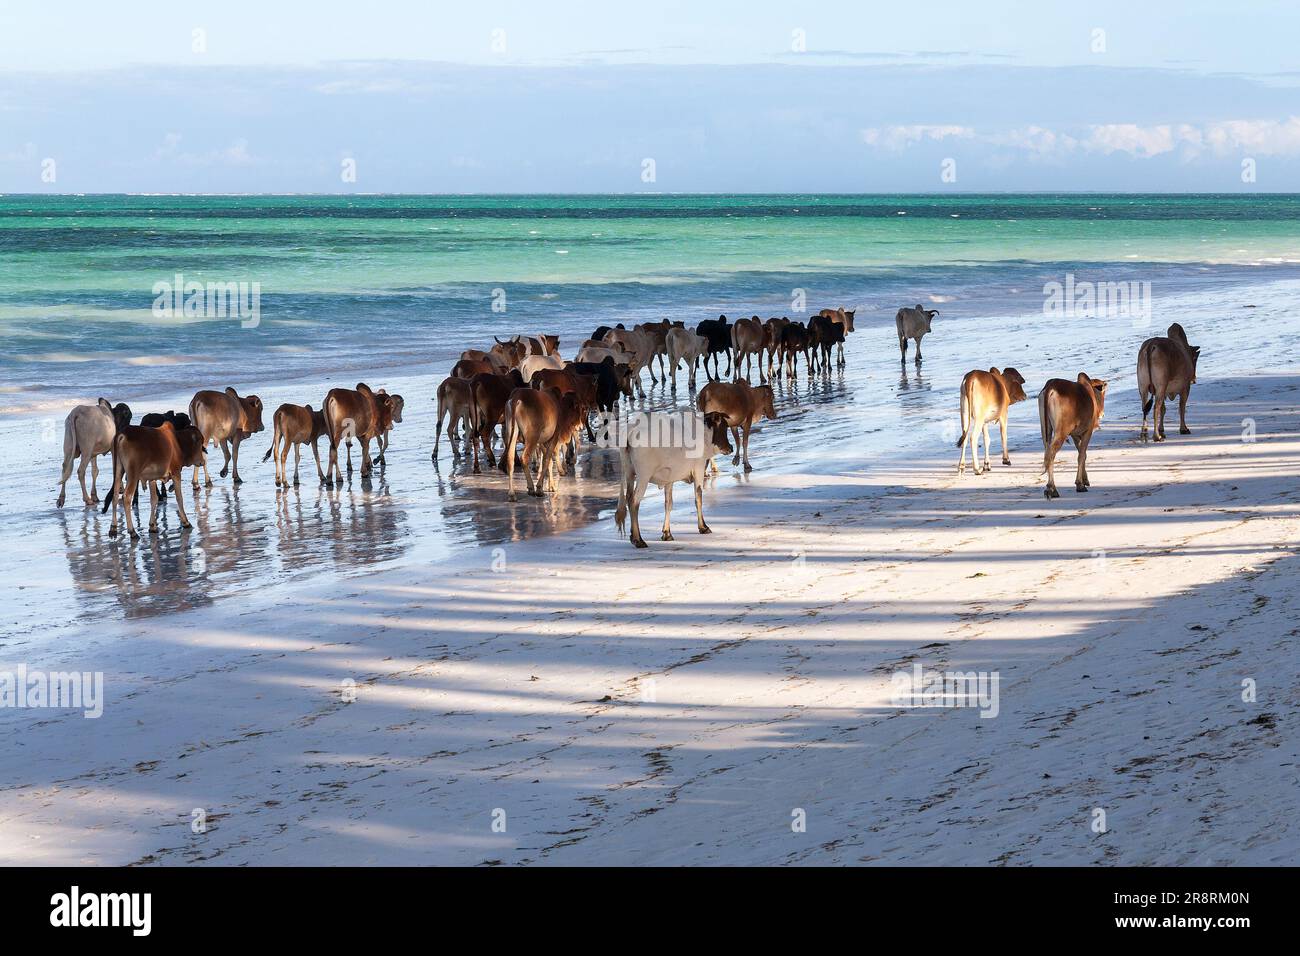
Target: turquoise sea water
(364,282)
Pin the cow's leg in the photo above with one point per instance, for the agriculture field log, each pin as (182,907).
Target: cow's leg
(180,506)
(1158,416)
(530,452)
(81,478)
(153,507)
(1049,465)
(1142,395)
(130,483)
(1002,427)
(667,533)
(634,509)
(735,441)
(234,460)
(745,438)
(366,464)
(94,479)
(225,465)
(965,443)
(297,460)
(988,454)
(331,473)
(1081,473)
(918,350)
(902,345)
(282,464)
(320,473)
(1182,412)
(699,509)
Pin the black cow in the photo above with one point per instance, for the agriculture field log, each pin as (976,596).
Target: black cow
(824,333)
(179,420)
(795,338)
(599,334)
(611,380)
(718,332)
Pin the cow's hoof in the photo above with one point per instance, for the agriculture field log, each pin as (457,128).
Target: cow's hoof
(639,543)
(112,532)
(511,497)
(222,473)
(187,526)
(1050,493)
(153,529)
(1080,488)
(59,502)
(1184,430)
(295,482)
(748,467)
(135,535)
(666,536)
(207,484)
(1006,461)
(237,480)
(705,529)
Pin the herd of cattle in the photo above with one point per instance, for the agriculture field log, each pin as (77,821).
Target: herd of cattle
(538,400)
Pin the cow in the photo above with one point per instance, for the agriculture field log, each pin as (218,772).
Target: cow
(795,340)
(599,334)
(718,332)
(468,368)
(1069,410)
(295,425)
(581,387)
(657,335)
(639,348)
(543,421)
(390,414)
(489,394)
(824,333)
(747,338)
(612,380)
(743,406)
(535,363)
(683,344)
(913,323)
(353,413)
(772,340)
(225,419)
(985,397)
(142,454)
(512,350)
(498,361)
(844,318)
(181,422)
(647,459)
(1166,366)
(455,400)
(541,344)
(88,433)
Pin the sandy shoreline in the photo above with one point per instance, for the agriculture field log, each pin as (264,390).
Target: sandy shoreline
(678,707)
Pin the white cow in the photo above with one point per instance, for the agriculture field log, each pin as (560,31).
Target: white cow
(685,344)
(88,432)
(662,448)
(535,363)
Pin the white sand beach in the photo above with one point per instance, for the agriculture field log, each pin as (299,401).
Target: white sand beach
(568,700)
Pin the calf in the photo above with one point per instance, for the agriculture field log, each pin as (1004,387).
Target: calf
(543,421)
(1166,366)
(985,397)
(718,332)
(795,340)
(683,344)
(647,460)
(743,406)
(142,454)
(390,414)
(1069,410)
(88,433)
(295,425)
(224,419)
(181,422)
(455,400)
(489,393)
(353,413)
(913,323)
(843,318)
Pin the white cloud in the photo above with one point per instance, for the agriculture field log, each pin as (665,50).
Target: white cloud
(900,137)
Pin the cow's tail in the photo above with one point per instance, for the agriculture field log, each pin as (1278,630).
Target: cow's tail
(625,486)
(965,414)
(1045,423)
(1151,384)
(117,474)
(275,437)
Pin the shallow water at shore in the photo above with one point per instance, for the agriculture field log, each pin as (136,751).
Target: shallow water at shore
(254,543)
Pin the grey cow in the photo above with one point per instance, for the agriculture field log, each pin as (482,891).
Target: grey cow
(913,323)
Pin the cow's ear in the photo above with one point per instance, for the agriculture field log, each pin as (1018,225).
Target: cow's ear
(106,403)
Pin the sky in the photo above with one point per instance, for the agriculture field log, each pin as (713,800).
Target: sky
(666,96)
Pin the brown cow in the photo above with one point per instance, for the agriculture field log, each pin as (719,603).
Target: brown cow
(468,368)
(142,453)
(390,414)
(353,413)
(986,396)
(295,425)
(498,361)
(224,419)
(513,350)
(747,340)
(743,405)
(1166,367)
(568,382)
(1069,410)
(772,340)
(490,393)
(543,421)
(455,400)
